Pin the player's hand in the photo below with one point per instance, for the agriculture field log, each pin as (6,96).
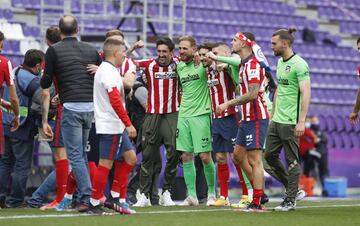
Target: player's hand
(221,108)
(211,55)
(137,45)
(354,118)
(15,122)
(92,68)
(131,131)
(47,130)
(299,129)
(7,105)
(197,60)
(55,101)
(221,67)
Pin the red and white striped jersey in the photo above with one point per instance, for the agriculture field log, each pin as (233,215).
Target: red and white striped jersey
(127,65)
(222,89)
(251,72)
(163,88)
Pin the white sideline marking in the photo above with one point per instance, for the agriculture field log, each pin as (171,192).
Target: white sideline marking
(160,212)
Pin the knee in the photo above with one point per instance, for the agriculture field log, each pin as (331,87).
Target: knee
(130,157)
(60,154)
(205,158)
(221,158)
(186,157)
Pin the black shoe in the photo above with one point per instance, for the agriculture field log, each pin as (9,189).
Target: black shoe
(97,210)
(253,207)
(264,199)
(114,204)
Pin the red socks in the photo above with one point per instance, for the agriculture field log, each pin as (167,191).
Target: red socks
(223,173)
(92,170)
(62,170)
(257,196)
(71,183)
(100,179)
(121,177)
(242,181)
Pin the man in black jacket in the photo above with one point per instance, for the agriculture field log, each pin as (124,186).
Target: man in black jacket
(65,64)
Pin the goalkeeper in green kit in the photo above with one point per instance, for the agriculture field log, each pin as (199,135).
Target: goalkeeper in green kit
(193,135)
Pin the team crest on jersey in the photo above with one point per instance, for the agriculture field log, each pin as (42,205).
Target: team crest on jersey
(213,82)
(165,75)
(253,74)
(288,69)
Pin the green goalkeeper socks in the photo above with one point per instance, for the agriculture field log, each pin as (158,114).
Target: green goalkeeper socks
(190,178)
(209,171)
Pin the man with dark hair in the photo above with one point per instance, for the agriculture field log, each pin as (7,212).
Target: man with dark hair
(19,144)
(66,64)
(53,35)
(193,135)
(159,126)
(58,177)
(290,106)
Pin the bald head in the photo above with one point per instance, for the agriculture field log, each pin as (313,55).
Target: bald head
(68,25)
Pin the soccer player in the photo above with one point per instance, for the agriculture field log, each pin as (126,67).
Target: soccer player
(193,135)
(61,163)
(254,122)
(159,126)
(7,76)
(222,85)
(290,106)
(111,120)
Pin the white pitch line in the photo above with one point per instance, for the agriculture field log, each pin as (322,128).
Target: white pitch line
(161,212)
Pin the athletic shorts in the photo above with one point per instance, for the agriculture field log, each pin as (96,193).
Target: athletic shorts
(224,132)
(251,134)
(193,134)
(57,141)
(92,147)
(110,146)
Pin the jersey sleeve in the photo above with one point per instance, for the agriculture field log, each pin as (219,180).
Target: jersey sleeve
(144,63)
(108,81)
(229,60)
(302,72)
(253,72)
(9,74)
(132,66)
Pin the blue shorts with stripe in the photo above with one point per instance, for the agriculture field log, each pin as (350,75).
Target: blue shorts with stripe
(251,134)
(112,146)
(224,133)
(57,141)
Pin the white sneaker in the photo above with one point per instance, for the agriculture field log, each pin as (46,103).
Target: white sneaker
(165,199)
(190,201)
(300,195)
(142,201)
(211,200)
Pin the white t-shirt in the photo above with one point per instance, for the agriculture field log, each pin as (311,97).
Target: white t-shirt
(106,120)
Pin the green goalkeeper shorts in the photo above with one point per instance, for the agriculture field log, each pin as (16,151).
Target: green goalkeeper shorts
(193,134)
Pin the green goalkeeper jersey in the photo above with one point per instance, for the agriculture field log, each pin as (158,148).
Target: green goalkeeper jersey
(195,98)
(288,100)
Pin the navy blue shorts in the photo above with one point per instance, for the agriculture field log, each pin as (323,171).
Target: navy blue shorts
(57,141)
(224,134)
(251,134)
(92,147)
(110,146)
